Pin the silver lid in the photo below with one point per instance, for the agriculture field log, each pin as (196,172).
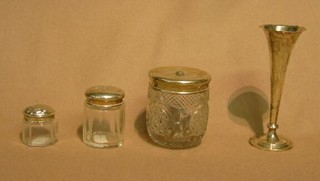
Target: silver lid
(178,79)
(104,96)
(38,113)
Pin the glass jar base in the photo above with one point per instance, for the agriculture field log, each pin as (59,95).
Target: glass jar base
(188,142)
(103,145)
(264,144)
(40,141)
(102,140)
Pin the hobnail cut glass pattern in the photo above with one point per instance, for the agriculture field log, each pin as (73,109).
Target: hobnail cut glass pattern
(177,120)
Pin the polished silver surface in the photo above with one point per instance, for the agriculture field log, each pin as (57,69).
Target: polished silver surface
(39,113)
(178,79)
(281,40)
(104,96)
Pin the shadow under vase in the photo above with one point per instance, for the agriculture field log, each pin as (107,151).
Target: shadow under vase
(248,106)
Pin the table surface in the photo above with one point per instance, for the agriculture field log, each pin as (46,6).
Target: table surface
(52,51)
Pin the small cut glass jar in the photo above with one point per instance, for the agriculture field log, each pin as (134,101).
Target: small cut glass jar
(104,112)
(177,112)
(39,126)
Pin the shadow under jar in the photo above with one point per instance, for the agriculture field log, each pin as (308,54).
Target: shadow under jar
(177,112)
(104,123)
(40,127)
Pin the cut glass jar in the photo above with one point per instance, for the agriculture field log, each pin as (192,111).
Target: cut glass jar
(177,112)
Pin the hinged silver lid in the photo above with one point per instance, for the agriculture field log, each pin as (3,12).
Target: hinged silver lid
(178,79)
(104,96)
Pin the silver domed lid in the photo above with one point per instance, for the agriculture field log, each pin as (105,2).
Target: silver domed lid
(38,113)
(104,96)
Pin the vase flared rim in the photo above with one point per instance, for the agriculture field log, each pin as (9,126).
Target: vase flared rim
(283,28)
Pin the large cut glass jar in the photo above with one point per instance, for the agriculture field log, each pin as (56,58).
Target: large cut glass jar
(39,126)
(104,117)
(177,112)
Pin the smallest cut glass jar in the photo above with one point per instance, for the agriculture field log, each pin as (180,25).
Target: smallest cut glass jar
(104,112)
(39,126)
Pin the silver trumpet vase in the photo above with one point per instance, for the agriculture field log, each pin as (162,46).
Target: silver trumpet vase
(281,39)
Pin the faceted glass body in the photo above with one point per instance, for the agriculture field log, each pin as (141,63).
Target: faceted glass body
(39,133)
(177,120)
(104,127)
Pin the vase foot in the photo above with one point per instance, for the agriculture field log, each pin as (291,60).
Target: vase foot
(263,143)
